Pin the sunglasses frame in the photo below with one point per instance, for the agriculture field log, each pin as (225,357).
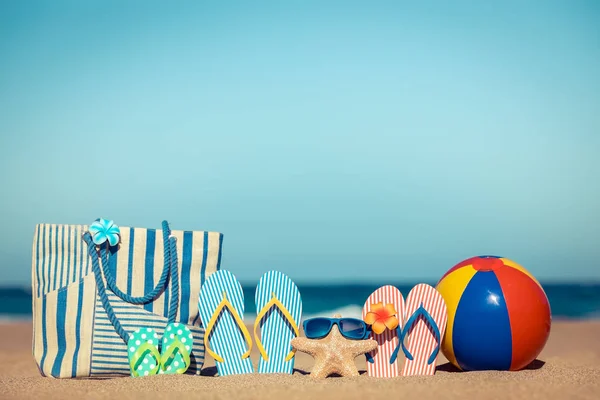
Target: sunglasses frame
(336,321)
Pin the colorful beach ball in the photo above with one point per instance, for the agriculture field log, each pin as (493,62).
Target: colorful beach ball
(498,315)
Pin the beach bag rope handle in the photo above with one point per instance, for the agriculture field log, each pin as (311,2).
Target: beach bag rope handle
(169,269)
(112,283)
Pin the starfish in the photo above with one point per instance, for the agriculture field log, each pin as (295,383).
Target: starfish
(334,354)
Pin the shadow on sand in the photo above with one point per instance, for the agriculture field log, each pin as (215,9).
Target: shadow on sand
(448,367)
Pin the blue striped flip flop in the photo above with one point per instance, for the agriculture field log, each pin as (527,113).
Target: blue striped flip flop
(279,309)
(226,339)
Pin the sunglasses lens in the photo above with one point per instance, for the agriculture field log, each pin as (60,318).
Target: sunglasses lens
(316,328)
(353,328)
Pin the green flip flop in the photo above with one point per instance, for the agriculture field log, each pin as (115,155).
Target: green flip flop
(176,349)
(144,358)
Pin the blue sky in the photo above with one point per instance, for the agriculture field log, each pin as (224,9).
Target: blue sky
(381,141)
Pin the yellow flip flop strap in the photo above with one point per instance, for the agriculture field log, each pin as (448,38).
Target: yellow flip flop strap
(274,302)
(211,324)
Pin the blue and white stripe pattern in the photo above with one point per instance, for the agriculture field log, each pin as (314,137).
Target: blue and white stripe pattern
(59,257)
(226,340)
(276,332)
(109,352)
(64,289)
(63,300)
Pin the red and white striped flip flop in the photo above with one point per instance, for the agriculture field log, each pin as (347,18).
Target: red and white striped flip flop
(426,318)
(381,362)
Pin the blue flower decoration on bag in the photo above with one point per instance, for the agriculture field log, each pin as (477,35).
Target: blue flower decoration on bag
(103,230)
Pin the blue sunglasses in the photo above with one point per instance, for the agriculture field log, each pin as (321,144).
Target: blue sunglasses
(350,328)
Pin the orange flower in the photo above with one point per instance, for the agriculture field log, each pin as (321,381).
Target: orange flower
(380,317)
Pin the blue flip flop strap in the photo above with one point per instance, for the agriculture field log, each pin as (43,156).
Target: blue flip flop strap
(400,339)
(394,354)
(367,355)
(421,311)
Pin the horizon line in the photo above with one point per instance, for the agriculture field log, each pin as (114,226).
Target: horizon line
(543,282)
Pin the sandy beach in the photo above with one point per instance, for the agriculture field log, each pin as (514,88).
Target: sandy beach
(568,368)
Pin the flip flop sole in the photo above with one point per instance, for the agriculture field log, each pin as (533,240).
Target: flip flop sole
(387,341)
(420,340)
(146,363)
(276,332)
(226,339)
(176,331)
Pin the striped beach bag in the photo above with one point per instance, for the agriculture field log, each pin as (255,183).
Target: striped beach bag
(89,299)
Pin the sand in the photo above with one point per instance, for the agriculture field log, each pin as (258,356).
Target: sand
(568,368)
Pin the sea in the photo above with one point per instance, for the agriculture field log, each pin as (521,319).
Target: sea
(567,301)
